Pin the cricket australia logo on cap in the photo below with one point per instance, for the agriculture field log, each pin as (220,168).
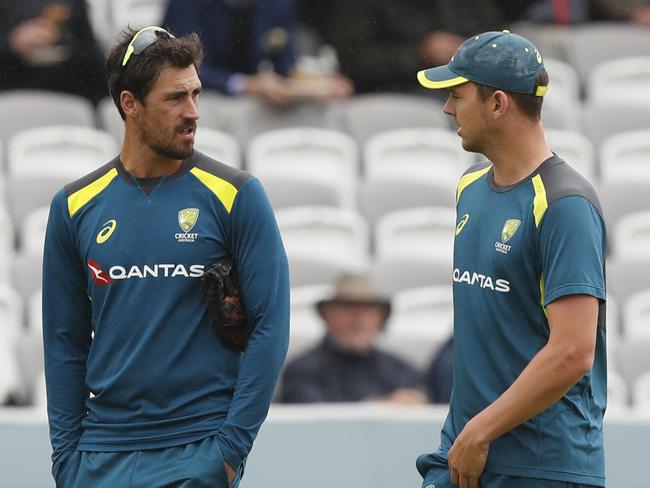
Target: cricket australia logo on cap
(509,230)
(187,219)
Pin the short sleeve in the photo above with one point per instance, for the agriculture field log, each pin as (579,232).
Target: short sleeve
(572,249)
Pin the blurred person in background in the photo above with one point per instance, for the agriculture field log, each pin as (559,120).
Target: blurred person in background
(439,376)
(49,45)
(250,50)
(381,43)
(347,366)
(635,11)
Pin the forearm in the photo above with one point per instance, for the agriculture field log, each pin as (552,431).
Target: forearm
(546,379)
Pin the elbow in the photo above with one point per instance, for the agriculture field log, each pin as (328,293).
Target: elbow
(577,362)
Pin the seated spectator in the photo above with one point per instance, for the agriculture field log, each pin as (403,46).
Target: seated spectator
(346,366)
(381,43)
(439,376)
(49,45)
(249,49)
(634,11)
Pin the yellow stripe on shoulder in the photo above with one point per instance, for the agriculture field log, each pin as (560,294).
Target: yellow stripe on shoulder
(540,203)
(81,197)
(468,179)
(224,190)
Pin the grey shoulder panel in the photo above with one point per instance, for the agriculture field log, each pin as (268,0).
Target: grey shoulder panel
(561,180)
(477,167)
(86,180)
(234,176)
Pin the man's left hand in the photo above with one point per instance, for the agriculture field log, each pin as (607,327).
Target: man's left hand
(230,472)
(467,457)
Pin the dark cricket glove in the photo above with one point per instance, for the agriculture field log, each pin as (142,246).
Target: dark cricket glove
(225,308)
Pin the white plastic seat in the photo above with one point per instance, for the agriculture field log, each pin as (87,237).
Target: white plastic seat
(421,320)
(218,145)
(632,237)
(575,149)
(6,242)
(59,151)
(426,232)
(325,232)
(32,231)
(308,269)
(563,96)
(397,274)
(641,392)
(366,115)
(636,314)
(617,391)
(619,81)
(10,384)
(625,157)
(421,155)
(11,313)
(35,313)
(307,154)
(603,120)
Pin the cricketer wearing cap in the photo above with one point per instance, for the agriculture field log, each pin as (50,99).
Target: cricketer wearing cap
(529,388)
(140,391)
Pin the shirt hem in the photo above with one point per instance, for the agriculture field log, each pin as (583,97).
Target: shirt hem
(573,289)
(144,445)
(547,474)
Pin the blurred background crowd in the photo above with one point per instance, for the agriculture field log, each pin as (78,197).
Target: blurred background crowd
(319,99)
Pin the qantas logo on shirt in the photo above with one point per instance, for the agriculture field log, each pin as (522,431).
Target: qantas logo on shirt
(98,275)
(477,279)
(101,278)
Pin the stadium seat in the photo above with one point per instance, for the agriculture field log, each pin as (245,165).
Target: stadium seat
(59,151)
(218,145)
(7,240)
(135,13)
(620,81)
(110,120)
(26,274)
(326,232)
(35,313)
(307,154)
(26,194)
(394,275)
(284,192)
(619,199)
(632,237)
(250,117)
(625,278)
(421,320)
(625,157)
(10,384)
(617,392)
(426,232)
(636,313)
(366,115)
(575,149)
(377,198)
(632,359)
(594,43)
(563,96)
(309,270)
(613,323)
(18,109)
(32,230)
(550,40)
(641,393)
(599,121)
(11,313)
(30,361)
(421,155)
(307,327)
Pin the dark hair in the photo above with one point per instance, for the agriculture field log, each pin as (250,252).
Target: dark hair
(530,105)
(142,70)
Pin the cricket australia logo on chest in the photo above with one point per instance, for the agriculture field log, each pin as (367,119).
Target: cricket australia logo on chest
(508,231)
(187,219)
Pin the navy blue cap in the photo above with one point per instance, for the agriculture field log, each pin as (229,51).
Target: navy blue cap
(501,60)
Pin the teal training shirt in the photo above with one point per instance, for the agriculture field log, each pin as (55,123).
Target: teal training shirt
(131,359)
(516,250)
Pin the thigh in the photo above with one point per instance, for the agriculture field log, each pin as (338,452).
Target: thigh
(98,469)
(195,465)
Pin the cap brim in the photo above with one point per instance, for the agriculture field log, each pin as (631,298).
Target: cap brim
(440,77)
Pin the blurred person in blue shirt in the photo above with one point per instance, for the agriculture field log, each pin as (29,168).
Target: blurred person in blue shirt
(250,49)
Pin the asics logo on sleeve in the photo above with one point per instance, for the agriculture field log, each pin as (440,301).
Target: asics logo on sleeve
(462,223)
(107,231)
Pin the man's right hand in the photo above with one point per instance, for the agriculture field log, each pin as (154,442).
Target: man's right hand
(270,87)
(31,35)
